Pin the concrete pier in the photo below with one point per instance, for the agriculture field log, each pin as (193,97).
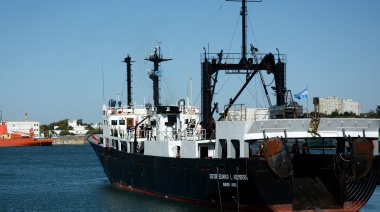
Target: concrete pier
(70,140)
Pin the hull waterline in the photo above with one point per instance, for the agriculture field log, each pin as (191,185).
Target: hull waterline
(252,186)
(25,142)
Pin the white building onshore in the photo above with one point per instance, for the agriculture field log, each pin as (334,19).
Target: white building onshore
(334,104)
(77,129)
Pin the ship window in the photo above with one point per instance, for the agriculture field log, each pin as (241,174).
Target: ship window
(236,148)
(172,118)
(122,122)
(178,155)
(204,152)
(190,122)
(113,122)
(169,123)
(253,147)
(222,148)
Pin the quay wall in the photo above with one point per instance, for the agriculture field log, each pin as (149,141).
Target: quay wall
(70,140)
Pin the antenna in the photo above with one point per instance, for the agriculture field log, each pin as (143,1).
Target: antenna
(244,28)
(189,89)
(118,100)
(156,58)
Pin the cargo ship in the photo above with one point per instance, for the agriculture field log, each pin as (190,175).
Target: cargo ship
(255,159)
(20,139)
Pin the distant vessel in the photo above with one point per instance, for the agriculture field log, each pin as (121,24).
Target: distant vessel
(20,139)
(242,160)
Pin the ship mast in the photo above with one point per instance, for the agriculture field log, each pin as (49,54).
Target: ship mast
(213,64)
(156,58)
(128,61)
(243,13)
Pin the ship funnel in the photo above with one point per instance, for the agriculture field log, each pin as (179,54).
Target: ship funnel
(3,129)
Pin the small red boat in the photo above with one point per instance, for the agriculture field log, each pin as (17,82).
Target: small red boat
(19,139)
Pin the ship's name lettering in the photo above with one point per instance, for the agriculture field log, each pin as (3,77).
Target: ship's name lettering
(229,184)
(228,177)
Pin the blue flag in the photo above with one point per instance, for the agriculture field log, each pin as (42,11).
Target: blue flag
(302,95)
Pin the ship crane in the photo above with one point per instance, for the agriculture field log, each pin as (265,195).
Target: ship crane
(253,52)
(212,65)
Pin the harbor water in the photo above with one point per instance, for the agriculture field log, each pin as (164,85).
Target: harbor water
(70,178)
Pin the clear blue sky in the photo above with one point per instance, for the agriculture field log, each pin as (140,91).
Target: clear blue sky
(54,54)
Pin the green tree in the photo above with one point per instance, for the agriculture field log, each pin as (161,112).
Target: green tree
(45,130)
(62,124)
(94,131)
(334,114)
(64,132)
(373,114)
